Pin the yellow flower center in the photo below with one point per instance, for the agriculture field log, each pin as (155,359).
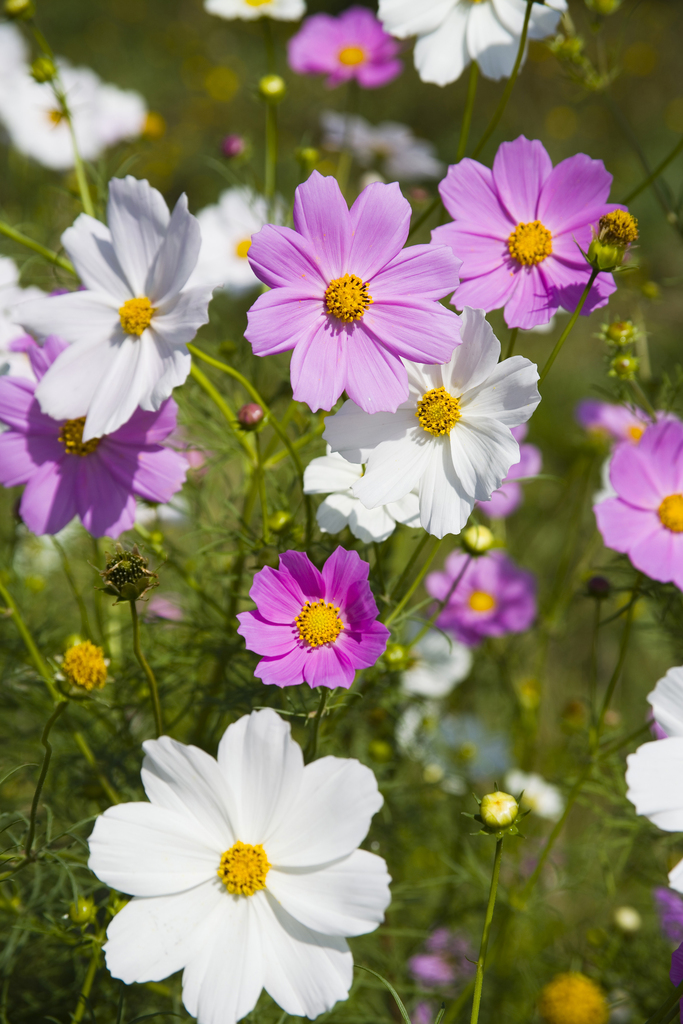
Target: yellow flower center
(347,297)
(635,433)
(573,999)
(56,116)
(243,869)
(318,623)
(438,411)
(480,601)
(257,3)
(136,315)
(618,228)
(351,55)
(242,248)
(71,436)
(530,243)
(671,513)
(84,666)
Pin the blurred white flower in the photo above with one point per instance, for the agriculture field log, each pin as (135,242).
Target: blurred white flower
(245,872)
(331,474)
(226,229)
(606,490)
(248,10)
(102,115)
(451,33)
(654,777)
(628,919)
(667,702)
(540,796)
(404,157)
(11,294)
(439,665)
(13,54)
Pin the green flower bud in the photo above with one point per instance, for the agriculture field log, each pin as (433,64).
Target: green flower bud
(477,539)
(82,911)
(272,88)
(618,230)
(620,332)
(43,69)
(126,576)
(279,521)
(624,367)
(19,9)
(397,657)
(651,290)
(381,751)
(603,6)
(498,810)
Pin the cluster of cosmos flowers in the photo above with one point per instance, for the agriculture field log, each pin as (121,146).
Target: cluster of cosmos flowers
(252,859)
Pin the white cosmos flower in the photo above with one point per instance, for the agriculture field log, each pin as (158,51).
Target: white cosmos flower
(655,787)
(248,10)
(13,54)
(245,872)
(331,474)
(438,665)
(102,116)
(451,439)
(404,157)
(451,33)
(540,796)
(128,331)
(11,295)
(226,229)
(667,702)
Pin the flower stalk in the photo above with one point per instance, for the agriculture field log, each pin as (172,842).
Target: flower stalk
(481,962)
(144,664)
(568,329)
(44,739)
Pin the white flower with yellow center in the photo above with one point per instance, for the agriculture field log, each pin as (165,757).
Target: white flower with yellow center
(437,665)
(128,330)
(248,10)
(245,872)
(451,439)
(539,796)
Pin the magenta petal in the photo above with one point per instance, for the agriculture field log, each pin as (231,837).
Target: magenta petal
(520,169)
(425,332)
(380,221)
(287,670)
(480,253)
(318,366)
(16,463)
(490,291)
(663,443)
(659,556)
(430,271)
(298,565)
(153,473)
(18,407)
(364,648)
(283,318)
(42,356)
(504,501)
(376,379)
(341,570)
(106,506)
(145,427)
(277,595)
(49,500)
(469,195)
(328,666)
(373,76)
(529,304)
(322,217)
(575,186)
(263,637)
(281,257)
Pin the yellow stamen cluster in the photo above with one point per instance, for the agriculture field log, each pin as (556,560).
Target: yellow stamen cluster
(573,998)
(530,243)
(318,623)
(71,436)
(243,869)
(480,601)
(56,116)
(438,411)
(351,55)
(136,315)
(635,433)
(671,513)
(347,298)
(257,3)
(84,666)
(242,248)
(618,228)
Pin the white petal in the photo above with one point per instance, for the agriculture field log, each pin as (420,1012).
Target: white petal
(188,781)
(153,937)
(355,432)
(676,877)
(334,512)
(441,56)
(263,767)
(490,44)
(445,505)
(123,384)
(66,390)
(482,451)
(406,510)
(166,368)
(177,256)
(475,359)
(178,320)
(542,22)
(655,780)
(345,898)
(305,973)
(395,468)
(330,473)
(89,246)
(667,702)
(371,524)
(331,816)
(79,316)
(510,393)
(138,218)
(146,850)
(403,18)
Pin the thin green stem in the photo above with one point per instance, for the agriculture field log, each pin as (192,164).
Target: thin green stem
(144,664)
(507,92)
(61,706)
(467,113)
(568,329)
(623,648)
(668,1004)
(81,178)
(78,597)
(271,154)
(678,148)
(442,604)
(512,342)
(643,399)
(218,400)
(30,644)
(29,243)
(408,568)
(262,491)
(84,747)
(312,747)
(415,584)
(481,962)
(89,979)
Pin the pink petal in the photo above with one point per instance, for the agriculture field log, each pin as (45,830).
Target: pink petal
(423,331)
(277,596)
(659,556)
(299,566)
(148,427)
(490,291)
(283,318)
(287,670)
(575,187)
(638,478)
(340,570)
(49,501)
(155,474)
(470,196)
(622,526)
(530,304)
(105,505)
(322,217)
(282,257)
(480,253)
(328,666)
(263,637)
(18,458)
(661,447)
(372,76)
(519,170)
(363,648)
(318,368)
(380,221)
(428,271)
(376,379)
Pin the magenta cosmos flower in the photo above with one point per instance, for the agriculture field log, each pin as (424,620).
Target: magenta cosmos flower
(348,300)
(97,480)
(518,228)
(645,520)
(510,496)
(494,596)
(353,45)
(313,627)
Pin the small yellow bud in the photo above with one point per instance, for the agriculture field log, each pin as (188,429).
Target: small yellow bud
(498,810)
(43,69)
(477,539)
(381,751)
(621,332)
(82,911)
(272,88)
(624,367)
(628,919)
(279,521)
(19,9)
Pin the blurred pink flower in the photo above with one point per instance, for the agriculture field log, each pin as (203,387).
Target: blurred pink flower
(446,959)
(614,422)
(352,45)
(168,607)
(510,496)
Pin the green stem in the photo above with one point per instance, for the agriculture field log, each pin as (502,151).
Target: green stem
(312,748)
(415,584)
(271,154)
(442,604)
(667,1005)
(469,107)
(43,775)
(262,491)
(144,664)
(78,597)
(678,148)
(83,187)
(643,399)
(625,637)
(30,644)
(218,400)
(86,988)
(510,85)
(567,331)
(512,342)
(481,962)
(42,250)
(403,578)
(269,44)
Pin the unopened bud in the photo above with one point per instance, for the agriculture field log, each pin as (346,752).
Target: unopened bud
(381,751)
(598,587)
(250,416)
(126,576)
(621,332)
(272,88)
(82,910)
(43,69)
(19,9)
(279,521)
(232,146)
(651,290)
(618,230)
(307,156)
(477,539)
(603,6)
(627,919)
(396,657)
(624,367)
(498,810)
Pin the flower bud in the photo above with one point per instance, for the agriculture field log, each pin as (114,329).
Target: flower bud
(308,157)
(618,230)
(43,69)
(603,6)
(624,367)
(598,587)
(250,415)
(627,919)
(19,9)
(272,88)
(126,576)
(85,666)
(621,332)
(232,146)
(651,290)
(380,751)
(396,657)
(82,910)
(498,810)
(279,521)
(477,539)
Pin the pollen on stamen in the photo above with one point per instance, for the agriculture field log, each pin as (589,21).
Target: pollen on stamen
(530,243)
(318,623)
(348,298)
(243,869)
(671,513)
(438,411)
(136,315)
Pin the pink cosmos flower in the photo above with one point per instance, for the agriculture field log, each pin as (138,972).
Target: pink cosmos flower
(313,627)
(494,596)
(97,480)
(347,299)
(353,45)
(518,228)
(613,422)
(645,520)
(510,496)
(447,958)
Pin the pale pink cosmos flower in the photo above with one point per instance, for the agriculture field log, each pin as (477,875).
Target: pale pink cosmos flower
(352,45)
(610,421)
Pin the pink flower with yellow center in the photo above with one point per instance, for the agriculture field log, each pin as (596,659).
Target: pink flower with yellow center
(353,45)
